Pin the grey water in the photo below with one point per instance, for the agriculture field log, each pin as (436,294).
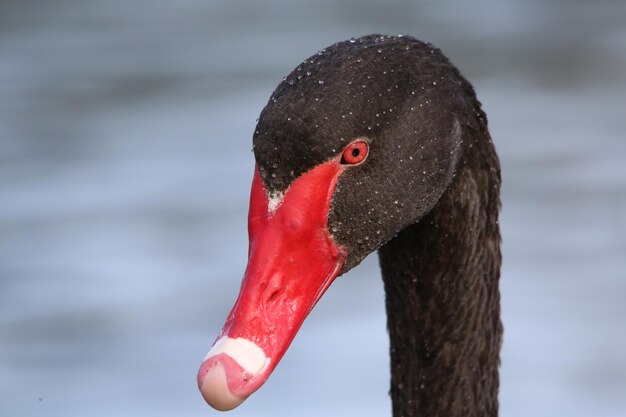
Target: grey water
(125,167)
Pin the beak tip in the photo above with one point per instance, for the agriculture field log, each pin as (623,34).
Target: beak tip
(213,384)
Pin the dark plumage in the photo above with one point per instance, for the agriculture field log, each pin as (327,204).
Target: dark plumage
(427,197)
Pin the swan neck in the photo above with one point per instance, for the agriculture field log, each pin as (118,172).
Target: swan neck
(443,303)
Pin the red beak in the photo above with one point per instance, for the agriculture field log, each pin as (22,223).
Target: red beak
(292,261)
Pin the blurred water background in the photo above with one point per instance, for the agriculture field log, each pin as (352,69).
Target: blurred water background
(125,166)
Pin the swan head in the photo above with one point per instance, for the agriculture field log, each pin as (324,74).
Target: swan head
(403,98)
(358,142)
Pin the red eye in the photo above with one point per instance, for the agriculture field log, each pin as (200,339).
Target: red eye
(355,153)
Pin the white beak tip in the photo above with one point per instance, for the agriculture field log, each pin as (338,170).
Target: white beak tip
(214,389)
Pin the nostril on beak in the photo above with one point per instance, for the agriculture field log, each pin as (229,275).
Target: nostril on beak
(273,295)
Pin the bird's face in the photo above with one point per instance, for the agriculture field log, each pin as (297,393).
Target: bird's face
(355,144)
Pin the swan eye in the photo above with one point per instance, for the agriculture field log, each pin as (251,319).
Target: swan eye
(355,153)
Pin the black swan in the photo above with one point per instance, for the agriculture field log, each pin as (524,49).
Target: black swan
(374,143)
